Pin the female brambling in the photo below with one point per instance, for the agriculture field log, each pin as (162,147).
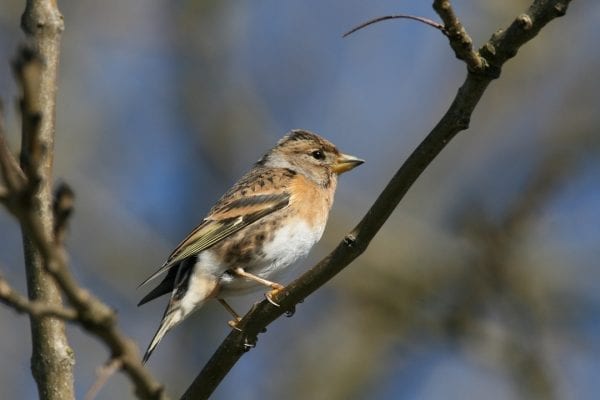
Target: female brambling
(272,216)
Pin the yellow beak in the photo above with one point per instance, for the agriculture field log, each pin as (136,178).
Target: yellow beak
(345,163)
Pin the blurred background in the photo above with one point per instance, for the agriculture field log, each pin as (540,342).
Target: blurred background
(484,283)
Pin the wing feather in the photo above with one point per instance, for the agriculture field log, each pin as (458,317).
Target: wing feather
(226,220)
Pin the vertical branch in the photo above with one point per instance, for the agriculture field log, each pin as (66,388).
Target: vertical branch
(52,359)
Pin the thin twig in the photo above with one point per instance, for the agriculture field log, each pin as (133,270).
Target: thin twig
(22,304)
(424,20)
(104,373)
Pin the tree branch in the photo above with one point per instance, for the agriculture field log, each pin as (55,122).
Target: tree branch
(505,45)
(22,304)
(28,196)
(36,70)
(460,41)
(93,315)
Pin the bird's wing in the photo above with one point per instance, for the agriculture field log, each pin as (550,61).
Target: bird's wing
(224,220)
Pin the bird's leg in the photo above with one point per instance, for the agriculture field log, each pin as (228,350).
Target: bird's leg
(272,285)
(276,287)
(236,317)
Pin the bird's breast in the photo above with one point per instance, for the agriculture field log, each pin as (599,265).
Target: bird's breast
(272,244)
(290,242)
(282,247)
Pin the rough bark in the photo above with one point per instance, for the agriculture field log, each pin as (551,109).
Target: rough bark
(52,358)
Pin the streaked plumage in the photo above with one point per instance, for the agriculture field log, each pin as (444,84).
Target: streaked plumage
(271,217)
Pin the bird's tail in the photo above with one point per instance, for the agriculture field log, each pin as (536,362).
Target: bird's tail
(172,317)
(191,291)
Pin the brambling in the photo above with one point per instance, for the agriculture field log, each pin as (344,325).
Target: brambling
(271,217)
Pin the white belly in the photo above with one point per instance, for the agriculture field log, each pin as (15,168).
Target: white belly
(291,242)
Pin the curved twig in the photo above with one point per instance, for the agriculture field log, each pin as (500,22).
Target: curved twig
(424,20)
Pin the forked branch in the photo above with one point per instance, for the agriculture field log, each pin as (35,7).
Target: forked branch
(479,74)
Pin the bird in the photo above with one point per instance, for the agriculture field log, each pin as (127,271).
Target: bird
(269,219)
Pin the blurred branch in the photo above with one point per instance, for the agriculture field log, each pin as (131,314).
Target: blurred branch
(62,208)
(523,351)
(104,373)
(28,196)
(11,173)
(92,314)
(36,71)
(37,309)
(505,44)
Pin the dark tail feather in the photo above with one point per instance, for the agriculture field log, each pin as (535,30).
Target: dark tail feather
(163,288)
(166,286)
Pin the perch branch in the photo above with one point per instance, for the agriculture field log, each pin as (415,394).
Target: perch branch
(460,41)
(454,120)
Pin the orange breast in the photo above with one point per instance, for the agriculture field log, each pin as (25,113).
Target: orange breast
(312,201)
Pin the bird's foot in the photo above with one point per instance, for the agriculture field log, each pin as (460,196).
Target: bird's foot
(277,288)
(234,324)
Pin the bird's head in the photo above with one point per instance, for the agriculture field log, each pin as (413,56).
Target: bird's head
(309,154)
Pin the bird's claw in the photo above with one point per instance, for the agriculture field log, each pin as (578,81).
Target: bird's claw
(234,323)
(277,288)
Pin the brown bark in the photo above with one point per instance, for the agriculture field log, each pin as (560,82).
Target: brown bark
(52,358)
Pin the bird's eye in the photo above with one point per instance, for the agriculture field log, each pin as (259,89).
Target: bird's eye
(318,155)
